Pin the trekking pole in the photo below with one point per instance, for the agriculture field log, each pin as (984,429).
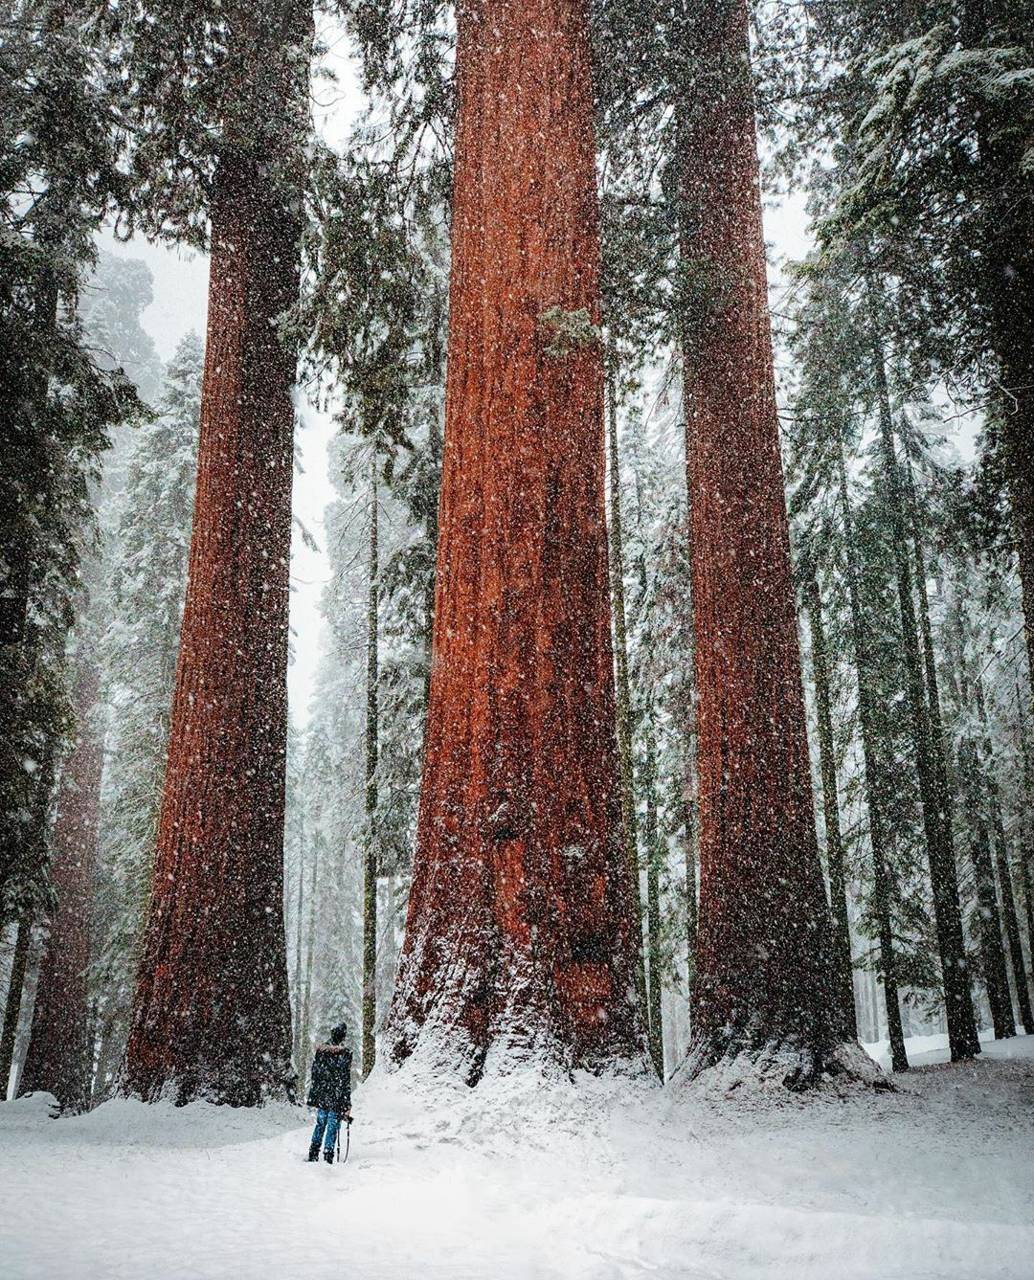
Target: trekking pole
(348,1137)
(339,1145)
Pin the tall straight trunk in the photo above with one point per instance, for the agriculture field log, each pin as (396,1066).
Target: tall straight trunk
(370,860)
(13,1003)
(1026,853)
(59,1058)
(763,972)
(296,1033)
(305,1036)
(623,703)
(935,802)
(831,808)
(989,923)
(652,843)
(1010,917)
(873,800)
(521,935)
(211,1015)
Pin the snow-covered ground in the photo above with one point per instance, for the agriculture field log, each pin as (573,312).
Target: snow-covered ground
(517,1181)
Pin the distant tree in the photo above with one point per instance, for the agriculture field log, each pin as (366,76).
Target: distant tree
(146,560)
(58,1059)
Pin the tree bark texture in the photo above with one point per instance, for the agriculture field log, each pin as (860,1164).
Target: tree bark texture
(211,1016)
(763,974)
(521,936)
(58,1058)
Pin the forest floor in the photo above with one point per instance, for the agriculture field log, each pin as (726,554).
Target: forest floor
(599,1180)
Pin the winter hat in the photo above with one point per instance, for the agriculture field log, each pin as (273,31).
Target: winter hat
(338,1034)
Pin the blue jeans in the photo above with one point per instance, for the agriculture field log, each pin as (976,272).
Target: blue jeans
(329,1121)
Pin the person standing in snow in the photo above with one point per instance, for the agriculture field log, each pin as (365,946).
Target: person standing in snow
(330,1092)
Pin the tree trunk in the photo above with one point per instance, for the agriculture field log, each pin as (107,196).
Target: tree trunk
(370,859)
(211,1013)
(623,689)
(296,1032)
(652,842)
(831,809)
(13,1004)
(1001,847)
(873,801)
(989,924)
(58,1059)
(936,803)
(763,976)
(521,935)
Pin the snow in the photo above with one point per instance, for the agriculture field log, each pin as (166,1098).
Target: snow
(527,1179)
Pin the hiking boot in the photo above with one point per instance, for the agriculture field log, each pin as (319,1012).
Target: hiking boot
(329,1157)
(314,1154)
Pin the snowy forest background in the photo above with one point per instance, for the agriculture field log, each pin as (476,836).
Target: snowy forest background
(892,408)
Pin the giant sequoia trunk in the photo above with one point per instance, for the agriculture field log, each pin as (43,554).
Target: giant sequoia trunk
(764,986)
(521,938)
(211,1016)
(58,1058)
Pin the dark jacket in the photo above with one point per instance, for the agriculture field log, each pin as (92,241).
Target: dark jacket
(331,1085)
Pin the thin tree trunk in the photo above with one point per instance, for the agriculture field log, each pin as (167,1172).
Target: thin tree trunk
(521,935)
(13,1004)
(297,1027)
(831,808)
(623,693)
(873,801)
(58,1059)
(763,972)
(652,842)
(211,1014)
(1001,847)
(370,860)
(310,948)
(962,1029)
(989,924)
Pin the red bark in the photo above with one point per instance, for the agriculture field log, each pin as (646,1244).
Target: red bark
(762,973)
(58,1058)
(211,1015)
(520,936)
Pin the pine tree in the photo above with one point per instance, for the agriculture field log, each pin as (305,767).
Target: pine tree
(520,936)
(59,147)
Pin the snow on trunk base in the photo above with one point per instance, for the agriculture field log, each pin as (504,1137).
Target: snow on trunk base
(527,1177)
